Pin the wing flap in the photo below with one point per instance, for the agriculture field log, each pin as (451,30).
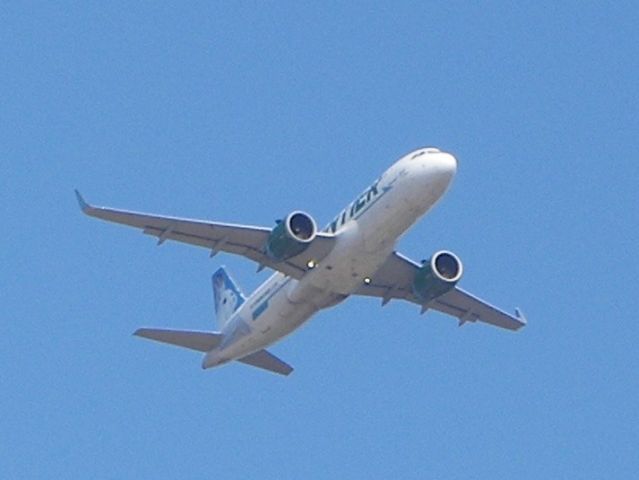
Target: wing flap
(267,361)
(200,341)
(245,240)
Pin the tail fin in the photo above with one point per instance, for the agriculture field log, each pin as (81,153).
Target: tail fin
(228,296)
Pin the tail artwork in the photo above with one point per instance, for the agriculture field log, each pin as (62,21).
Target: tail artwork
(228,296)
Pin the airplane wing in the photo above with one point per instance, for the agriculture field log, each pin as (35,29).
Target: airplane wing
(244,240)
(394,281)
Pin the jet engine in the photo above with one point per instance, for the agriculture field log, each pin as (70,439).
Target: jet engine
(291,236)
(437,276)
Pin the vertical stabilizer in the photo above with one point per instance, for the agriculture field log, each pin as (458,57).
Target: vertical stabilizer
(228,296)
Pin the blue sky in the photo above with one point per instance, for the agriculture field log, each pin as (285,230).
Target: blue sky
(245,111)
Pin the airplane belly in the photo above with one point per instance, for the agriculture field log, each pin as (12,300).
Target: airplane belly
(364,245)
(409,200)
(341,274)
(385,225)
(278,320)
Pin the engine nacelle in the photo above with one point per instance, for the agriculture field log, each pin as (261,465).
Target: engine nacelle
(291,236)
(437,276)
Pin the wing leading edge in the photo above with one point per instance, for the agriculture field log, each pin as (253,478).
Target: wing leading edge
(394,281)
(245,240)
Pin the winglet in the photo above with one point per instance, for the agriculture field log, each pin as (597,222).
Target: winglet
(84,206)
(520,316)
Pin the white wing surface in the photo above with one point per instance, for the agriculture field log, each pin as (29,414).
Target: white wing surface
(394,281)
(245,240)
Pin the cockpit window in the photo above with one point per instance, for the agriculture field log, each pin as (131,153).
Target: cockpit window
(424,151)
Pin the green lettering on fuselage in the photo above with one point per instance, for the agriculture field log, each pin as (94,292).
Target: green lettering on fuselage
(360,204)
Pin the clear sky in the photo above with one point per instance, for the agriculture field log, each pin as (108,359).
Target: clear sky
(245,111)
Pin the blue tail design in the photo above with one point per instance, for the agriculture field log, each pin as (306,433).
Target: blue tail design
(228,296)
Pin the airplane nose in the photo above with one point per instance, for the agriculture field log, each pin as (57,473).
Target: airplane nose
(446,164)
(440,167)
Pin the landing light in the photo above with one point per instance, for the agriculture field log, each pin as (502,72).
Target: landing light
(367,280)
(311,264)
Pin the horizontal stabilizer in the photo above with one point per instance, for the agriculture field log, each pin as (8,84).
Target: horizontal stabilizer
(200,341)
(267,361)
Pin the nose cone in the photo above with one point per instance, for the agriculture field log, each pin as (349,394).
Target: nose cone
(433,176)
(445,164)
(438,170)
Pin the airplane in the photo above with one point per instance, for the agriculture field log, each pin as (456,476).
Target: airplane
(314,270)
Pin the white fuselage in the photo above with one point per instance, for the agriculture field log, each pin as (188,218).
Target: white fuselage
(366,233)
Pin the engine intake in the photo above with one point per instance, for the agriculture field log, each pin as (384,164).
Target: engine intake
(291,236)
(437,276)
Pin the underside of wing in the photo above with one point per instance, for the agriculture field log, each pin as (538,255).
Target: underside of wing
(468,308)
(394,280)
(245,240)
